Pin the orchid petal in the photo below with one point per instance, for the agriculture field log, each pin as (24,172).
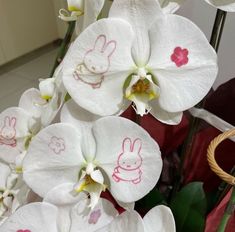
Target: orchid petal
(95,70)
(21,196)
(4,173)
(159,219)
(102,214)
(56,102)
(47,88)
(182,61)
(97,176)
(82,119)
(35,217)
(127,221)
(170,6)
(32,102)
(127,206)
(61,197)
(54,157)
(130,158)
(164,116)
(140,14)
(75,5)
(92,10)
(226,5)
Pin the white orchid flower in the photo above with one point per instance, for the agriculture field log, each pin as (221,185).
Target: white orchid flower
(143,56)
(115,153)
(13,191)
(72,113)
(158,219)
(61,212)
(85,12)
(44,104)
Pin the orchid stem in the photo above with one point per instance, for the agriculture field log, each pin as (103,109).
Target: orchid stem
(64,46)
(218,29)
(194,122)
(228,212)
(223,188)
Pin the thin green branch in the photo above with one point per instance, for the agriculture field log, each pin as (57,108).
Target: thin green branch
(228,212)
(64,46)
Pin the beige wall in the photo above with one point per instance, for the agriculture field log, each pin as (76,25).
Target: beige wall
(2,58)
(25,25)
(61,25)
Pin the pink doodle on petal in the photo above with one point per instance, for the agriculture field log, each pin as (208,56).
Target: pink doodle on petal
(57,145)
(129,162)
(23,231)
(8,132)
(96,62)
(180,56)
(94,216)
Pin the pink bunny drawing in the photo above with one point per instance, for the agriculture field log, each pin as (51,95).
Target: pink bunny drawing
(96,62)
(8,132)
(129,162)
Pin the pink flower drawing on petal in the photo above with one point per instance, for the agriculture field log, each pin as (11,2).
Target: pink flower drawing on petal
(23,231)
(94,216)
(180,56)
(57,144)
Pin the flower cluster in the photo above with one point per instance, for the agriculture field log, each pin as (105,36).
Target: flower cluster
(58,158)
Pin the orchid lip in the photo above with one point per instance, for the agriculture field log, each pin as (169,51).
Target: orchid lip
(140,88)
(89,181)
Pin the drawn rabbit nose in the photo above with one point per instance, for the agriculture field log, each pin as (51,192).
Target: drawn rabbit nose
(93,67)
(128,166)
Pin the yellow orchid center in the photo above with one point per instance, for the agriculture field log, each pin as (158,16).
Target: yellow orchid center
(142,86)
(87,181)
(46,97)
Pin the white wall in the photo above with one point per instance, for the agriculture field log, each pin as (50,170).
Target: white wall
(203,15)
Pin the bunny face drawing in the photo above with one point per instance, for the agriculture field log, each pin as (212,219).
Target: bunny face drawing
(96,62)
(8,132)
(129,162)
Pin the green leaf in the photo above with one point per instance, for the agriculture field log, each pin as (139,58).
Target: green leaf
(152,199)
(189,208)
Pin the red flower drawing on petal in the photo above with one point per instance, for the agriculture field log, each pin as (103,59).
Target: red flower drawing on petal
(180,56)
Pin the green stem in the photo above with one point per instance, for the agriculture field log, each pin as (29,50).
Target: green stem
(223,188)
(228,212)
(218,29)
(64,46)
(215,42)
(194,122)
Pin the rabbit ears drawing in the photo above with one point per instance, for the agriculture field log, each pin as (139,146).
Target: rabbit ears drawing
(9,122)
(101,45)
(129,146)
